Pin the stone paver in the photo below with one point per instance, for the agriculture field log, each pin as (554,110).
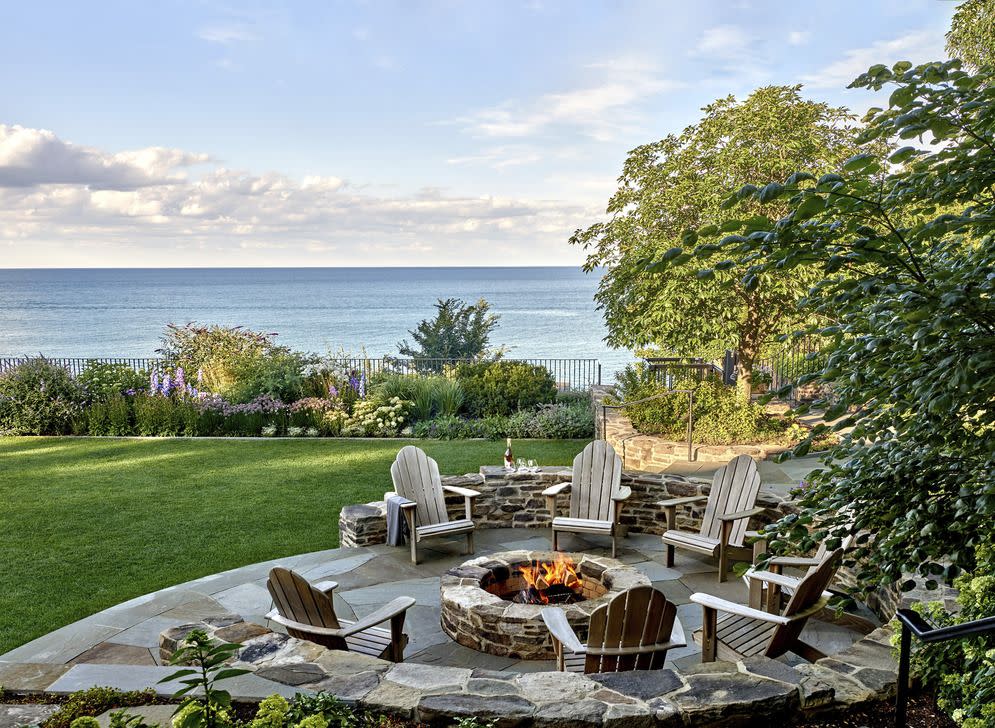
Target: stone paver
(29,714)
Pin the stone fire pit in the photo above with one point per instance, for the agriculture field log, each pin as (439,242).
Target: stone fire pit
(477,610)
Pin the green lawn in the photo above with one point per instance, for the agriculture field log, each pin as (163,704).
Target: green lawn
(88,523)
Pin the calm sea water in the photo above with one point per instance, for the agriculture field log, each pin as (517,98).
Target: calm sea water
(545,312)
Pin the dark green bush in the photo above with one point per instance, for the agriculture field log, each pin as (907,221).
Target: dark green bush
(39,398)
(110,417)
(504,387)
(721,416)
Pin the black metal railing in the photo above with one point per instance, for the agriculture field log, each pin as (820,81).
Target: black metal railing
(913,624)
(570,374)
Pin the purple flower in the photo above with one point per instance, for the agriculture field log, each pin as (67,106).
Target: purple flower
(180,382)
(333,391)
(130,392)
(167,385)
(354,382)
(154,381)
(362,386)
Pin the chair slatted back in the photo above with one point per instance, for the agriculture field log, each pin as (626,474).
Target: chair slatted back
(416,477)
(597,475)
(630,628)
(808,592)
(296,599)
(734,489)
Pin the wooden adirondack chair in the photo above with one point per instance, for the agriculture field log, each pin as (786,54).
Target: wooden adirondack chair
(745,631)
(727,514)
(596,494)
(417,481)
(306,610)
(766,591)
(633,631)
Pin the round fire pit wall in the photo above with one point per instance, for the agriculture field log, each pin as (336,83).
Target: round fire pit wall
(477,613)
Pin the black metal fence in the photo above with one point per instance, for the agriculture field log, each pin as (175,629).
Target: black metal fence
(783,368)
(570,374)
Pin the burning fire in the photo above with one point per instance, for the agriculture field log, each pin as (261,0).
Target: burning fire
(549,578)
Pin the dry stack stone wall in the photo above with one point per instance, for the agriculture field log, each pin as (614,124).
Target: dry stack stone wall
(515,500)
(652,453)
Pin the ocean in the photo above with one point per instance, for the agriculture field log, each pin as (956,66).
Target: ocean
(544,312)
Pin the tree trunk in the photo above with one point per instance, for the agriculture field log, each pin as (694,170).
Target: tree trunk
(750,343)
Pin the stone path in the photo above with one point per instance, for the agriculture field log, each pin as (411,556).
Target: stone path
(119,646)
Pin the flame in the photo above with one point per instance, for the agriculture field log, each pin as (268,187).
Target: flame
(541,575)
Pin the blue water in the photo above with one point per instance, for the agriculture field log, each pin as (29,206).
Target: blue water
(545,312)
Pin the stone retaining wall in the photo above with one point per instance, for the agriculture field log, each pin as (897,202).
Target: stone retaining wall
(514,500)
(753,692)
(652,453)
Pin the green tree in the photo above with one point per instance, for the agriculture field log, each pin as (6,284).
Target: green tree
(906,252)
(680,183)
(971,37)
(458,331)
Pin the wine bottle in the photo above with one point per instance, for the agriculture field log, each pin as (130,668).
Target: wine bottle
(509,459)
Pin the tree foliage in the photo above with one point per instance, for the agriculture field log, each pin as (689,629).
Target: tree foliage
(680,183)
(458,331)
(971,37)
(906,255)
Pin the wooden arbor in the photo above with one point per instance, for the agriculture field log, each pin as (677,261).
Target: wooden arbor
(596,494)
(307,611)
(633,631)
(746,632)
(730,505)
(417,481)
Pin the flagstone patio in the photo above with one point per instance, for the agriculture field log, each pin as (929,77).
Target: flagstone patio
(80,654)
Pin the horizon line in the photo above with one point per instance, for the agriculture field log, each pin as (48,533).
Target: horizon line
(283,267)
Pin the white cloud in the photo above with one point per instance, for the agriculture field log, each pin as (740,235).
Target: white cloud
(226,34)
(30,157)
(918,47)
(601,110)
(723,41)
(151,206)
(501,157)
(799,37)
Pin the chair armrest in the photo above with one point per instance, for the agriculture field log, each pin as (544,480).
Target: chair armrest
(274,616)
(326,586)
(798,561)
(770,577)
(674,502)
(405,503)
(623,493)
(556,621)
(465,492)
(741,610)
(557,489)
(388,611)
(738,515)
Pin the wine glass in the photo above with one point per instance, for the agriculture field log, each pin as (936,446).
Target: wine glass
(533,467)
(521,465)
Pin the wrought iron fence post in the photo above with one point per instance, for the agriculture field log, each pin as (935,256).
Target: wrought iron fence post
(902,696)
(690,421)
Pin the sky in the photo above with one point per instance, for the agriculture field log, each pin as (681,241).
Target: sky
(368,133)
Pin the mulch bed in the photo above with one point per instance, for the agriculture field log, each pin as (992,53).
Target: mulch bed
(922,713)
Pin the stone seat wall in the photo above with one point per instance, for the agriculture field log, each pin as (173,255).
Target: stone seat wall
(515,500)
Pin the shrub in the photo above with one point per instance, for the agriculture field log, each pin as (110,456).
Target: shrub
(504,387)
(39,398)
(563,421)
(458,331)
(962,672)
(236,363)
(370,419)
(332,710)
(103,381)
(721,417)
(94,701)
(110,417)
